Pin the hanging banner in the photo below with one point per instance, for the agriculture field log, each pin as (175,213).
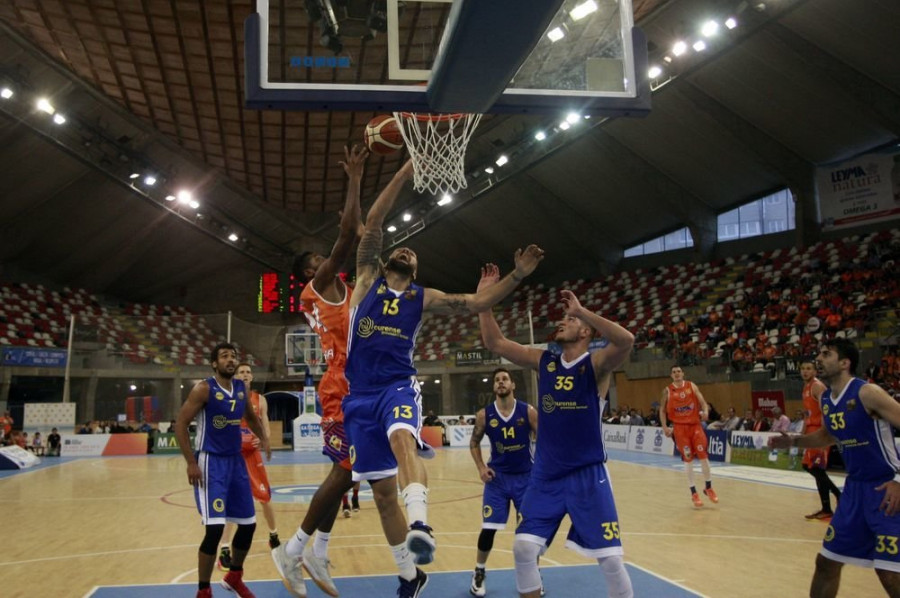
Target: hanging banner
(863,190)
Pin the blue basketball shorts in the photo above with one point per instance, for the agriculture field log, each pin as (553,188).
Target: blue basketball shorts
(585,495)
(224,493)
(860,534)
(371,417)
(498,493)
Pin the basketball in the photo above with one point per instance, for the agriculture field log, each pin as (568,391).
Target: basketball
(383,135)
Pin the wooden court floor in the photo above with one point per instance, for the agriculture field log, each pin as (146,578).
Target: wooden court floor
(114,521)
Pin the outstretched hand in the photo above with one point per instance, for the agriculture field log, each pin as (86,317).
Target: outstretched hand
(571,304)
(780,442)
(354,161)
(527,261)
(490,275)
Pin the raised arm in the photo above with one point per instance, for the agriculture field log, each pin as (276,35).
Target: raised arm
(492,336)
(324,281)
(620,340)
(368,255)
(485,298)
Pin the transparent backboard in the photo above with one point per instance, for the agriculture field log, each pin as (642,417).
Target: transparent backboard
(379,54)
(303,350)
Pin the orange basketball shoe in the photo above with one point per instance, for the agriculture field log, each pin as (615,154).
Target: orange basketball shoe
(696,498)
(711,494)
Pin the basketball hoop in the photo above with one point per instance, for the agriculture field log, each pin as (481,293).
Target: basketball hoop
(437,147)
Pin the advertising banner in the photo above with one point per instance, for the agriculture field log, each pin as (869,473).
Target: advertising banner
(615,436)
(165,442)
(461,435)
(307,432)
(42,358)
(718,447)
(103,445)
(863,190)
(766,400)
(647,439)
(15,457)
(751,448)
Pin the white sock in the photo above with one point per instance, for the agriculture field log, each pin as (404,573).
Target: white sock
(415,496)
(297,543)
(704,465)
(320,545)
(689,468)
(617,581)
(404,560)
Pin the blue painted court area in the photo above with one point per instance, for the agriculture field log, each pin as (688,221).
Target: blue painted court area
(579,581)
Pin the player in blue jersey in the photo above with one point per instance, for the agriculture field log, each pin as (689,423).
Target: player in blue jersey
(569,475)
(217,470)
(857,416)
(383,412)
(510,425)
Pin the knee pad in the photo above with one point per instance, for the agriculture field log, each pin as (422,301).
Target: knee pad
(243,537)
(210,542)
(528,578)
(486,540)
(618,582)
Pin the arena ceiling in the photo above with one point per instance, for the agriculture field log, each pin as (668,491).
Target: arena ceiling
(157,84)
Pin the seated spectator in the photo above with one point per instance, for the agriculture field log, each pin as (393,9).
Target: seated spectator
(613,417)
(713,415)
(780,422)
(53,443)
(798,424)
(23,442)
(432,420)
(760,423)
(86,429)
(635,419)
(37,444)
(729,421)
(461,421)
(18,439)
(653,417)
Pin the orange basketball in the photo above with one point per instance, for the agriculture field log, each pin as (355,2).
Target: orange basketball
(383,135)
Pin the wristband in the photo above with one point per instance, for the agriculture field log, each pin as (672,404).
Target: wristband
(897,478)
(517,278)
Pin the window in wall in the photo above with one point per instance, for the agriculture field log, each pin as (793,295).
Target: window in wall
(680,239)
(771,214)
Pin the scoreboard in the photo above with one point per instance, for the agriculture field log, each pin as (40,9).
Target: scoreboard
(278,293)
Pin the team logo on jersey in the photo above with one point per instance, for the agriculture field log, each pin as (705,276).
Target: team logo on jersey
(498,446)
(366,327)
(682,394)
(825,409)
(493,423)
(520,421)
(487,511)
(219,422)
(829,534)
(410,294)
(218,505)
(581,371)
(382,289)
(220,396)
(851,404)
(240,396)
(548,404)
(551,367)
(335,442)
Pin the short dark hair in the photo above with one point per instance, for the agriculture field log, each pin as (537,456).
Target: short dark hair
(845,350)
(301,263)
(498,370)
(214,354)
(245,364)
(808,359)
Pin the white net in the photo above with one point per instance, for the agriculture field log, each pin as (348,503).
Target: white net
(437,146)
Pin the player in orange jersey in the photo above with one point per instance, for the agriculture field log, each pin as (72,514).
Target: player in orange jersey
(256,469)
(815,460)
(684,405)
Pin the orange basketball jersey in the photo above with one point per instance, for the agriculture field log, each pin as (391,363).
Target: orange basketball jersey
(247,434)
(330,322)
(682,406)
(813,409)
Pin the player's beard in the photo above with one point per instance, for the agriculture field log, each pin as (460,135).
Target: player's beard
(401,268)
(503,393)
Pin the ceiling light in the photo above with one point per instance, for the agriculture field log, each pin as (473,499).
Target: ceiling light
(587,117)
(233,237)
(6,93)
(445,200)
(59,119)
(45,106)
(573,117)
(582,10)
(667,58)
(489,170)
(654,72)
(134,175)
(699,45)
(392,229)
(556,34)
(184,196)
(679,48)
(170,198)
(437,380)
(564,125)
(731,22)
(133,387)
(407,217)
(484,379)
(194,204)
(501,160)
(540,135)
(149,180)
(709,29)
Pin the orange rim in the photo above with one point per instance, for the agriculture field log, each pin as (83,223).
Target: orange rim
(432,117)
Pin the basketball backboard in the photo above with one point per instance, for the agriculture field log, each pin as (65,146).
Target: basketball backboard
(434,55)
(302,352)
